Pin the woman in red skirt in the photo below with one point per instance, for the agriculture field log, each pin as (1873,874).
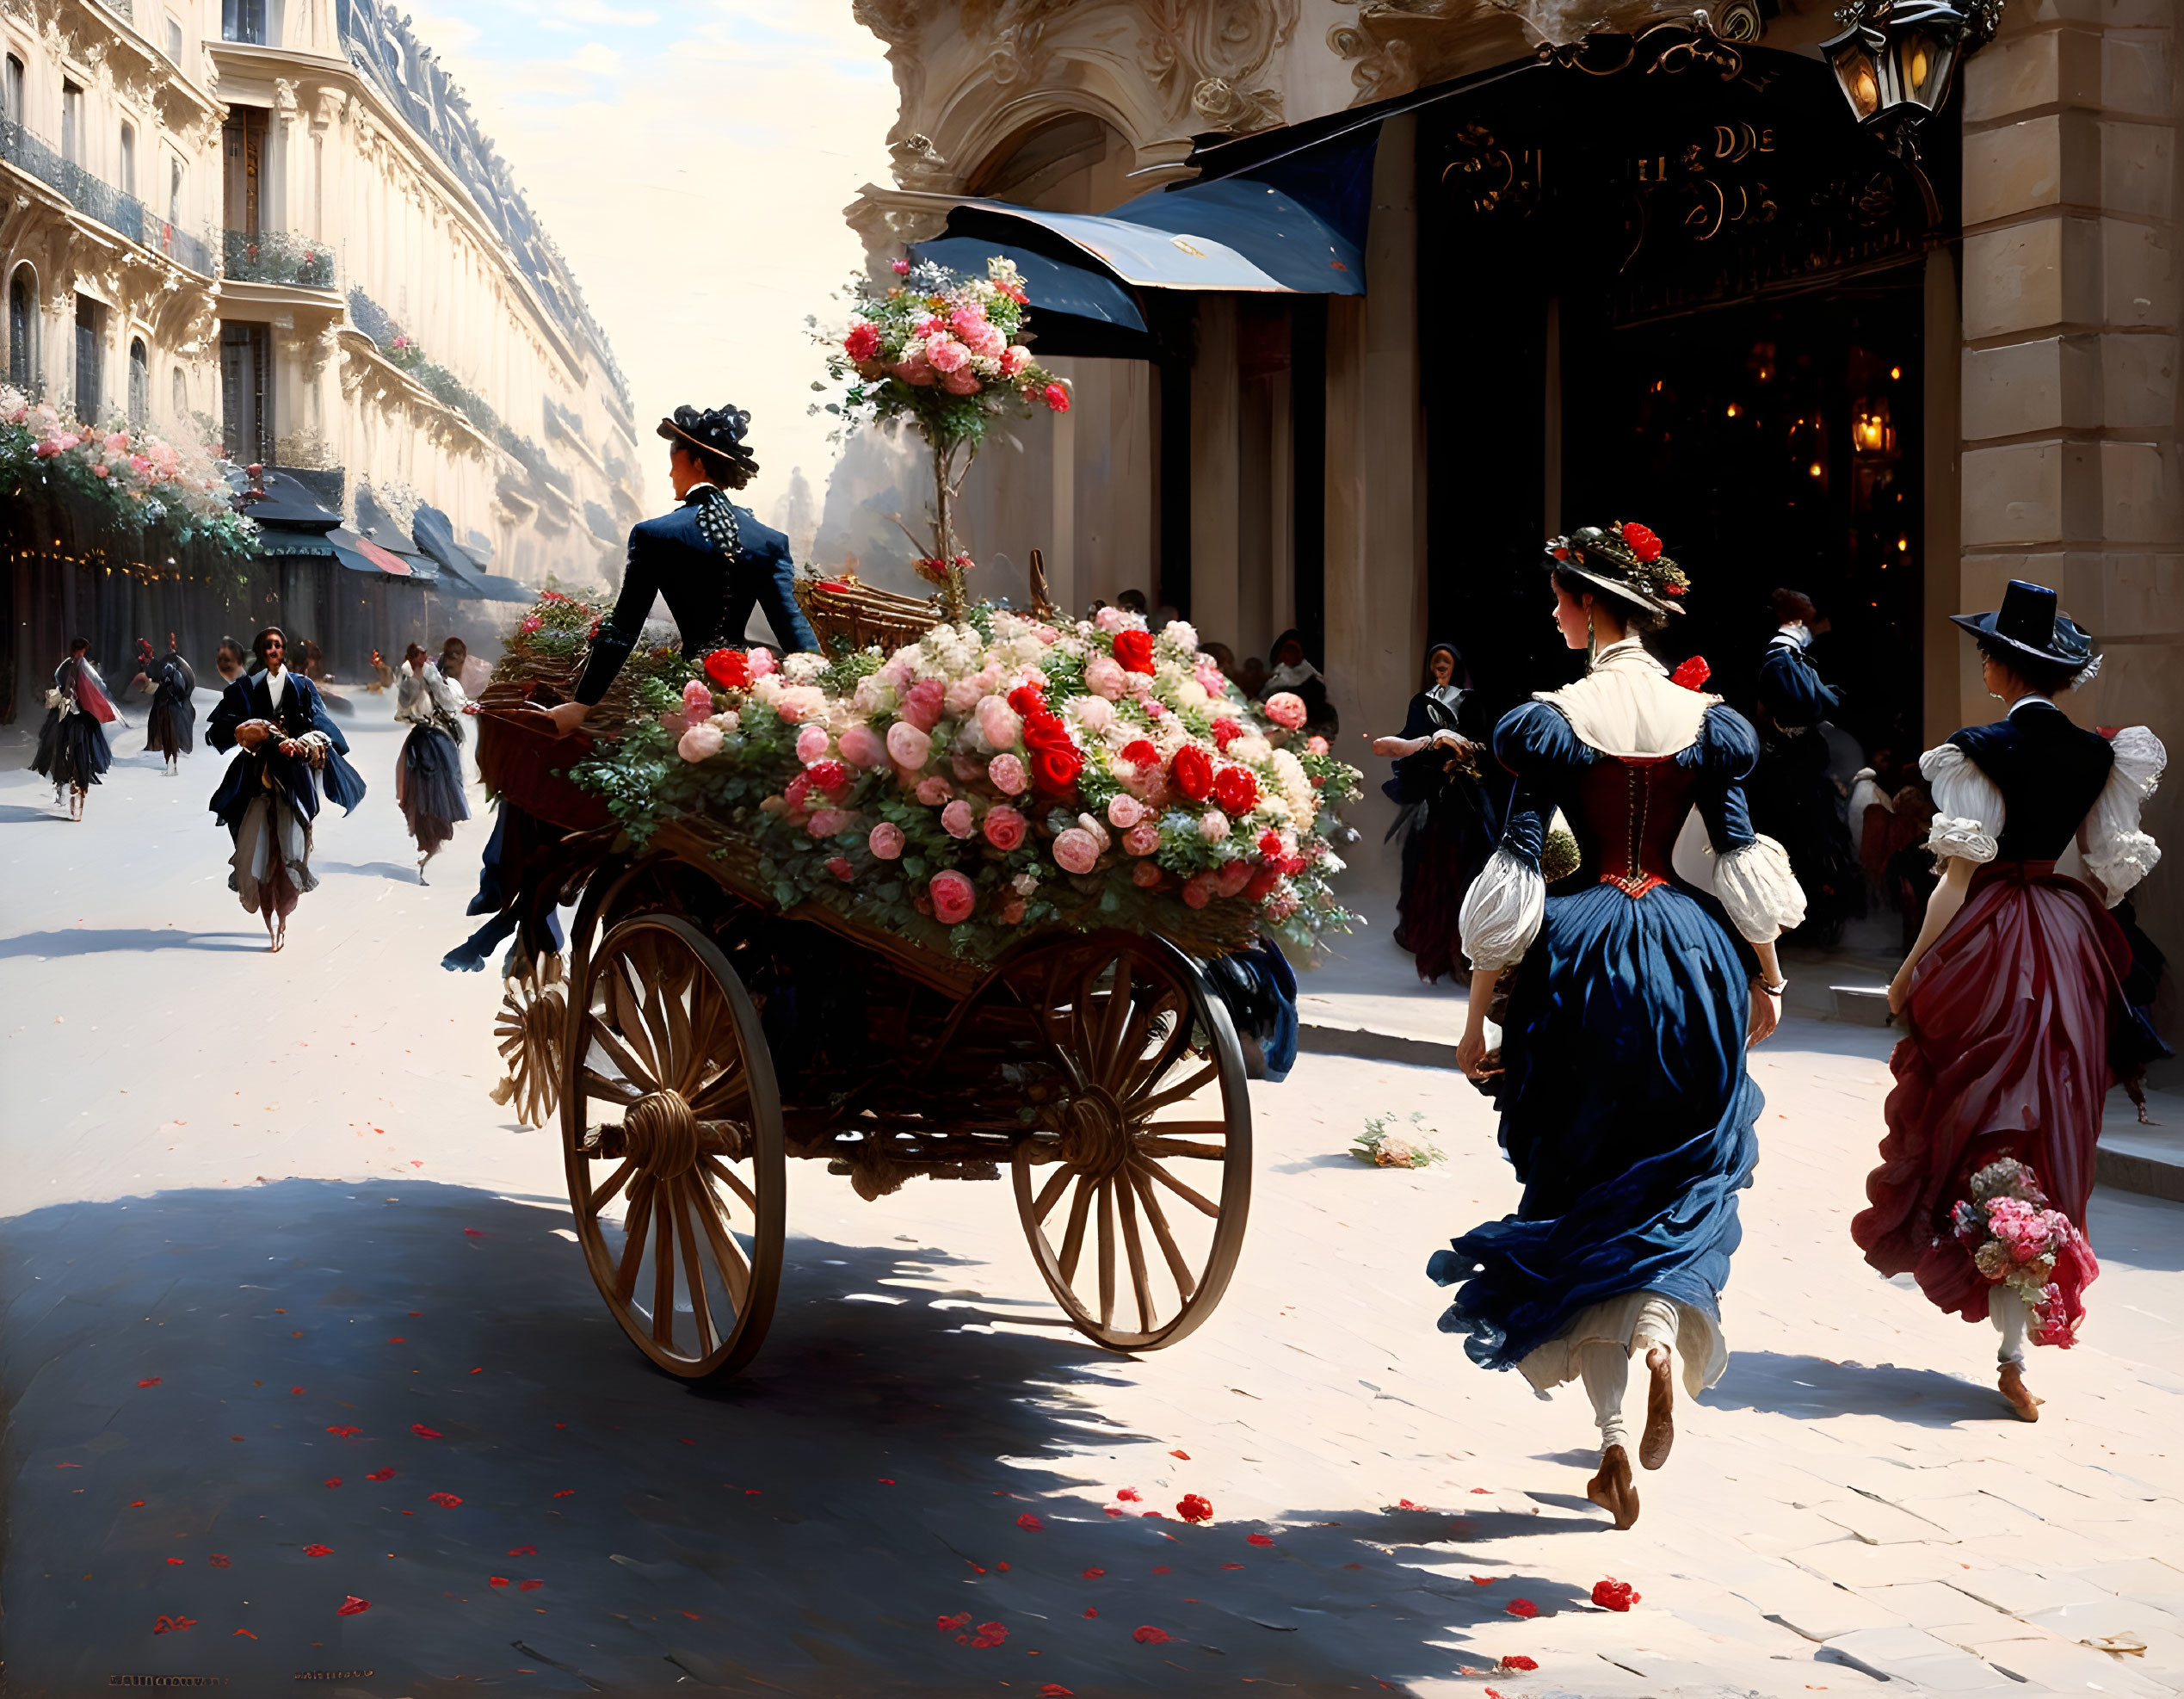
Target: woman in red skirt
(2011,997)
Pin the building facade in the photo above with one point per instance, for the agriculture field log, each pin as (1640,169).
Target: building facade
(1662,276)
(275,226)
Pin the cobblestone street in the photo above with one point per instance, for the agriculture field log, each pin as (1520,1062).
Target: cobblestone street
(292,1317)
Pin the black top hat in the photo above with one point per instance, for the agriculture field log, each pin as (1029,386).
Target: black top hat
(2027,623)
(718,430)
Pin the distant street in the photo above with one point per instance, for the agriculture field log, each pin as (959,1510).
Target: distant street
(302,1374)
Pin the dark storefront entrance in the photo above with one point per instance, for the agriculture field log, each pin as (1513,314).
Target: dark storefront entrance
(1703,296)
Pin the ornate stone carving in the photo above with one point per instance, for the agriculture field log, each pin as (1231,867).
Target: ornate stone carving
(1216,49)
(1396,46)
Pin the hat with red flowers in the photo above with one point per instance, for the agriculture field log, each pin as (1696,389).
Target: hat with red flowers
(1626,559)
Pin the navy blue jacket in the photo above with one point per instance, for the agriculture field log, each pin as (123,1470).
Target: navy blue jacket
(302,709)
(711,597)
(1791,689)
(2050,771)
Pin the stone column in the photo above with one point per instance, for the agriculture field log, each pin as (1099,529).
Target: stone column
(1214,472)
(1376,556)
(2071,316)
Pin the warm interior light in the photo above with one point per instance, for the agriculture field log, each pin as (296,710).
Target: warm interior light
(1814,469)
(1902,545)
(1920,66)
(1732,410)
(1896,372)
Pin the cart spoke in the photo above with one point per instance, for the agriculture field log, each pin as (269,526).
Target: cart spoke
(639,1077)
(725,1090)
(1151,1070)
(1051,1193)
(686,1231)
(628,1020)
(1146,1107)
(728,1177)
(638,1222)
(1198,1203)
(604,1194)
(1140,1288)
(663,1269)
(727,1255)
(1073,1238)
(596,1084)
(1107,1253)
(1178,1266)
(1105,1051)
(700,1037)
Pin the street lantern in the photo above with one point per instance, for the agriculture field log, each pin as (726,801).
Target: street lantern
(1895,58)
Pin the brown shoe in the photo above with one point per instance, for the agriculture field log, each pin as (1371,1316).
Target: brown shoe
(1611,1489)
(2012,1378)
(1660,1410)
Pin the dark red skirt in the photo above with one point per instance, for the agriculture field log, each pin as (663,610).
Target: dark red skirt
(2005,1054)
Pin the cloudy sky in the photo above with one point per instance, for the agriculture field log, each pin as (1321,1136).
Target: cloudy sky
(692,159)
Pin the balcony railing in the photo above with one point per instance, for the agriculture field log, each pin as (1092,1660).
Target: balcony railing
(277,256)
(101,200)
(120,9)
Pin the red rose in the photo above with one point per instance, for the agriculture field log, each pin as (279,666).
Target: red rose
(830,776)
(1141,753)
(1613,1595)
(1055,770)
(1191,773)
(1641,542)
(1225,732)
(1043,730)
(1269,845)
(862,343)
(1133,650)
(1691,674)
(1263,884)
(1236,791)
(1057,399)
(1193,1508)
(728,669)
(1026,700)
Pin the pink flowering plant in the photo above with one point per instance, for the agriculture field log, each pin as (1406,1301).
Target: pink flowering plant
(1003,774)
(134,481)
(948,355)
(2015,1240)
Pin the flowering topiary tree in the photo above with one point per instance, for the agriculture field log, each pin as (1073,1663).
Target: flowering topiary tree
(947,355)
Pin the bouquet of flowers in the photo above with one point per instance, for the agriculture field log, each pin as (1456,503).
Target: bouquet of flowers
(948,355)
(2015,1240)
(1386,1144)
(1000,774)
(134,479)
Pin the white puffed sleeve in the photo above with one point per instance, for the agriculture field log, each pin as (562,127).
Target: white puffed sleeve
(1967,807)
(1502,911)
(2117,853)
(1753,882)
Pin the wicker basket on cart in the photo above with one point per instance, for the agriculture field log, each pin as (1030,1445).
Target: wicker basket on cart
(848,613)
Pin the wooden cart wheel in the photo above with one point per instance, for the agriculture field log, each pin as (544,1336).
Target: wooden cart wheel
(1135,1193)
(671,1126)
(534,1018)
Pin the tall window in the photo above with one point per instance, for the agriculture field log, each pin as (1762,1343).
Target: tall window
(23,329)
(181,401)
(129,160)
(246,378)
(71,124)
(174,41)
(139,383)
(243,20)
(11,92)
(173,191)
(90,359)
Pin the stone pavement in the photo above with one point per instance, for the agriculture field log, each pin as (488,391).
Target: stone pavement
(275,1190)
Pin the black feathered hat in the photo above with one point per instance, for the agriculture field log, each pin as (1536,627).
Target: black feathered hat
(718,431)
(2028,624)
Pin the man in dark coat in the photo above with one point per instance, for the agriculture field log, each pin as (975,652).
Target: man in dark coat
(712,560)
(268,796)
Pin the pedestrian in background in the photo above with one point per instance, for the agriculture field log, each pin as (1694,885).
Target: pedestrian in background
(1443,817)
(2012,997)
(429,778)
(72,750)
(170,727)
(1794,796)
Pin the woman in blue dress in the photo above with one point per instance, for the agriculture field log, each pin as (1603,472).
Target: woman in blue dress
(1638,982)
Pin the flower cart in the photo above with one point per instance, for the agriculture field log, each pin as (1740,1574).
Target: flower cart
(929,908)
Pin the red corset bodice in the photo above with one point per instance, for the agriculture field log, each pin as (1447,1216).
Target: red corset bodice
(1631,809)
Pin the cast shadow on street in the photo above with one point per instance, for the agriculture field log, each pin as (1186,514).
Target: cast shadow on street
(236,1412)
(16,813)
(100,941)
(407,875)
(1812,1388)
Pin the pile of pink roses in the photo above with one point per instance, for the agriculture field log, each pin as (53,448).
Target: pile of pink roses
(937,332)
(1002,773)
(136,479)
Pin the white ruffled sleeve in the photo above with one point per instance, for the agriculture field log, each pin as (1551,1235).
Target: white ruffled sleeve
(1502,911)
(1967,807)
(2117,853)
(1753,882)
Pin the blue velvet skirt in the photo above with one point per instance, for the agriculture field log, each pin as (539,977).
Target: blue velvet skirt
(1628,1113)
